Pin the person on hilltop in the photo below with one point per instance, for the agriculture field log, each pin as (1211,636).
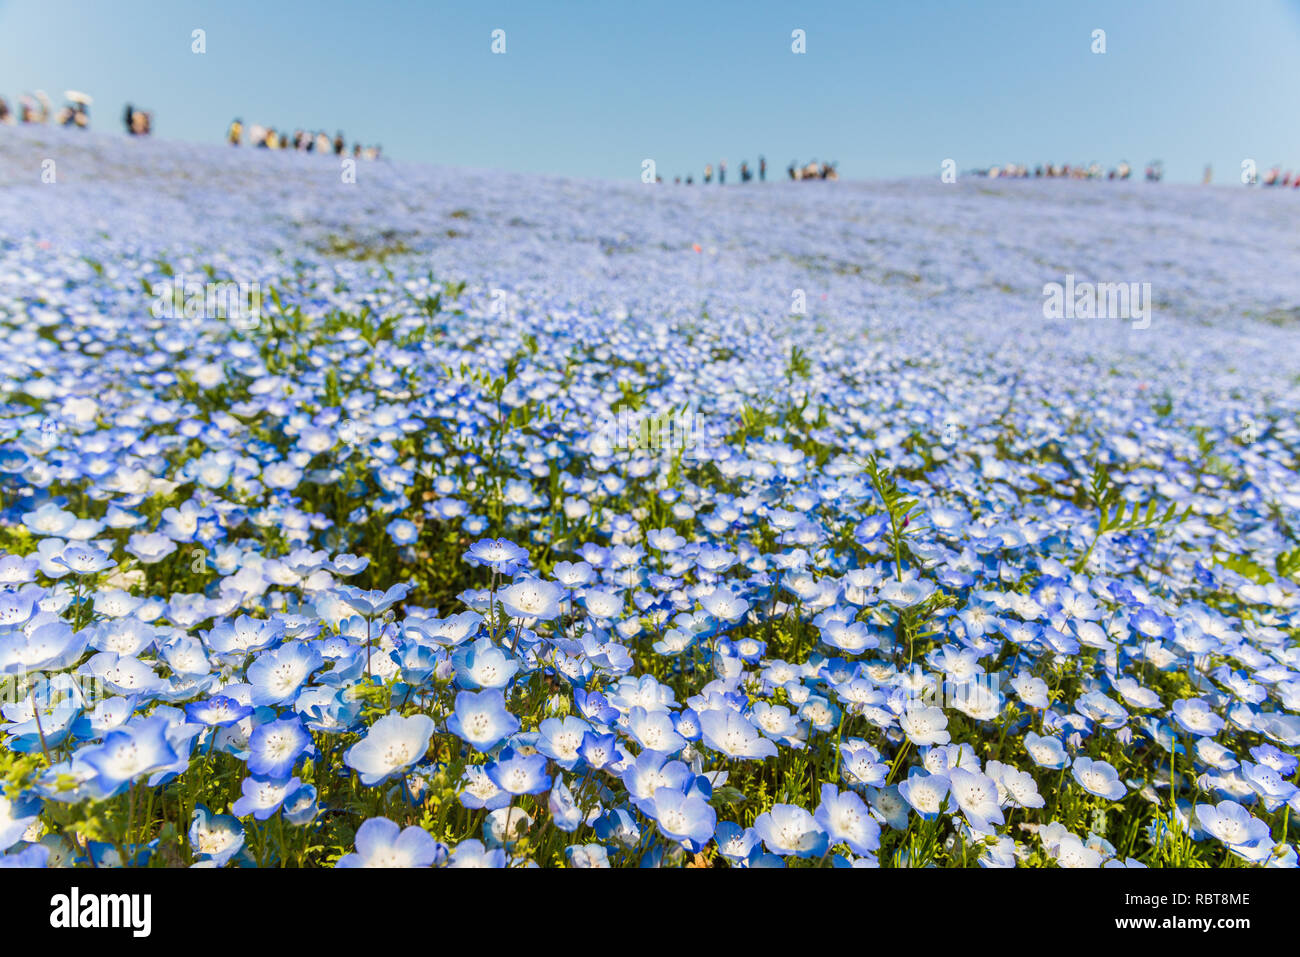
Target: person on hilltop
(722,173)
(339,144)
(762,169)
(708,173)
(235,133)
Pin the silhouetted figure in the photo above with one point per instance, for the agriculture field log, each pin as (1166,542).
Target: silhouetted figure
(762,170)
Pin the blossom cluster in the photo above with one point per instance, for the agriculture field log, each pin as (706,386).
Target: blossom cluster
(366,583)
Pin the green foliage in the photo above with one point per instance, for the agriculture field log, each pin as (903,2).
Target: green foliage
(1116,515)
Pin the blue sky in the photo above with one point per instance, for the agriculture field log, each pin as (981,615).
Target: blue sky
(593,88)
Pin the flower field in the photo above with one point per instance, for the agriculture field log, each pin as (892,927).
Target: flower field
(522,521)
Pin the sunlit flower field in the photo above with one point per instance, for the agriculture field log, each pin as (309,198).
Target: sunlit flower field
(527,521)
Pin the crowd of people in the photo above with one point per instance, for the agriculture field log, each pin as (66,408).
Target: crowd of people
(1155,171)
(1275,177)
(812,170)
(36,108)
(267,137)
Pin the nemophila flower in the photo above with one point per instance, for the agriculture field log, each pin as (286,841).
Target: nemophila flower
(449,631)
(1281,762)
(1046,751)
(925,725)
(602,605)
(587,856)
(1196,715)
(724,605)
(1272,788)
(654,731)
(348,565)
(49,519)
(1071,852)
(484,665)
(214,838)
(481,719)
(1135,695)
(402,531)
(790,831)
(381,843)
(245,635)
(926,793)
(653,770)
(845,819)
(1098,777)
(683,817)
(391,746)
(374,602)
(598,751)
(1149,623)
(730,733)
(137,748)
(277,675)
(506,826)
(861,765)
(1232,824)
(150,547)
(46,643)
(734,842)
(262,798)
(977,795)
(498,554)
(565,812)
(561,739)
(776,722)
(16,816)
(472,853)
(29,856)
(275,747)
(480,792)
(1095,706)
(532,598)
(300,806)
(327,709)
(573,574)
(84,560)
(1032,691)
(906,593)
(1015,787)
(617,825)
(516,773)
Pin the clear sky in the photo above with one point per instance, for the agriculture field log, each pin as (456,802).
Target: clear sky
(592,88)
